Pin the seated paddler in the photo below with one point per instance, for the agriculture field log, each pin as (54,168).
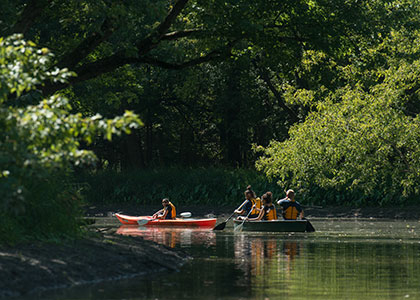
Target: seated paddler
(268,210)
(251,204)
(167,212)
(291,209)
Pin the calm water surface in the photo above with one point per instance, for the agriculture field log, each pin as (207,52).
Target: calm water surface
(342,260)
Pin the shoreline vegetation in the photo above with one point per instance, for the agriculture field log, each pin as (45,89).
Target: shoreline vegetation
(30,268)
(218,186)
(311,212)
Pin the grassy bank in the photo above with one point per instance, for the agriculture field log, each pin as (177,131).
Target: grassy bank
(187,186)
(212,186)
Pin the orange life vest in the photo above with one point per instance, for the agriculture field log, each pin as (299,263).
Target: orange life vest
(291,212)
(270,213)
(172,212)
(258,204)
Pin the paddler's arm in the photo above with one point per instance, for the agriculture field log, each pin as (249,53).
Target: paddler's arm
(156,214)
(163,216)
(239,210)
(302,215)
(259,217)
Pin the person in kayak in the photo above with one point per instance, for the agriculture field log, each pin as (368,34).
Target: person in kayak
(167,212)
(248,204)
(291,208)
(268,211)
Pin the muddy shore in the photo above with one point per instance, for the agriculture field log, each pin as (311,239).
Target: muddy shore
(28,269)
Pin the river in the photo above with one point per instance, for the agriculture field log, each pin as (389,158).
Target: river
(344,259)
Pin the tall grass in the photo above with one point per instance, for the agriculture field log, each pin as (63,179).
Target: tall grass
(213,186)
(50,213)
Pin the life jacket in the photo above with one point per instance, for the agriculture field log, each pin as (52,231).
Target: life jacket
(270,213)
(258,204)
(172,211)
(291,212)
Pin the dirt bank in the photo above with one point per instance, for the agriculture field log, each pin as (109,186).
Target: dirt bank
(32,268)
(400,213)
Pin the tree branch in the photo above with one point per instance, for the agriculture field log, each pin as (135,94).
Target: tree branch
(153,39)
(266,78)
(179,34)
(173,66)
(72,58)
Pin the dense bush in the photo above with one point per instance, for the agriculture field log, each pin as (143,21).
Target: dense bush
(40,141)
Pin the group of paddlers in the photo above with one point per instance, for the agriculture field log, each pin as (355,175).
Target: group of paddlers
(253,208)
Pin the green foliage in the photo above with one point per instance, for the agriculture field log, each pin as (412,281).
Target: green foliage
(212,186)
(40,143)
(362,141)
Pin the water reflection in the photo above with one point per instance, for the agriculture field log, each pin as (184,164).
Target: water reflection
(335,263)
(171,237)
(253,255)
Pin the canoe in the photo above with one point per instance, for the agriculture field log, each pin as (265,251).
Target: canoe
(201,223)
(273,226)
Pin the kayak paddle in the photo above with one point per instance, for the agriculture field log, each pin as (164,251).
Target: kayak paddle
(142,222)
(186,214)
(239,227)
(222,225)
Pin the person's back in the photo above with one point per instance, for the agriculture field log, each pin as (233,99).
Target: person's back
(171,211)
(270,212)
(291,208)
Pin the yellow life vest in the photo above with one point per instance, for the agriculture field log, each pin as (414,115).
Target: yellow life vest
(271,214)
(173,211)
(291,213)
(258,204)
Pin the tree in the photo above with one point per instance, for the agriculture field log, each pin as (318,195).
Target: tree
(40,143)
(361,141)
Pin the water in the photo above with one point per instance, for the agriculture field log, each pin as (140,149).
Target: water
(342,260)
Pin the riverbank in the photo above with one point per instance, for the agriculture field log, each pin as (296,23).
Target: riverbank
(32,268)
(398,213)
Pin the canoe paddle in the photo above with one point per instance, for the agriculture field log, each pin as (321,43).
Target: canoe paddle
(222,225)
(239,227)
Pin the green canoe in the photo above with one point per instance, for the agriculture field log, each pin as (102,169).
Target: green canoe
(273,226)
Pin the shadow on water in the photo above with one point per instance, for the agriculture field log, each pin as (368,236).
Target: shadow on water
(343,260)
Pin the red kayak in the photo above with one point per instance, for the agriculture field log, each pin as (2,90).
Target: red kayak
(203,223)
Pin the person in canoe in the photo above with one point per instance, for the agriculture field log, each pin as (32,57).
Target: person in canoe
(252,202)
(268,211)
(291,208)
(167,212)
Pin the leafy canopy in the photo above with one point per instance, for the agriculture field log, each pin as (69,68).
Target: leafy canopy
(40,140)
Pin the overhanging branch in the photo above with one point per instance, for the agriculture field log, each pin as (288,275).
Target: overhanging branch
(180,34)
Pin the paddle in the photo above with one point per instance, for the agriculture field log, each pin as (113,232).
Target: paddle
(142,222)
(222,225)
(186,214)
(309,227)
(239,227)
